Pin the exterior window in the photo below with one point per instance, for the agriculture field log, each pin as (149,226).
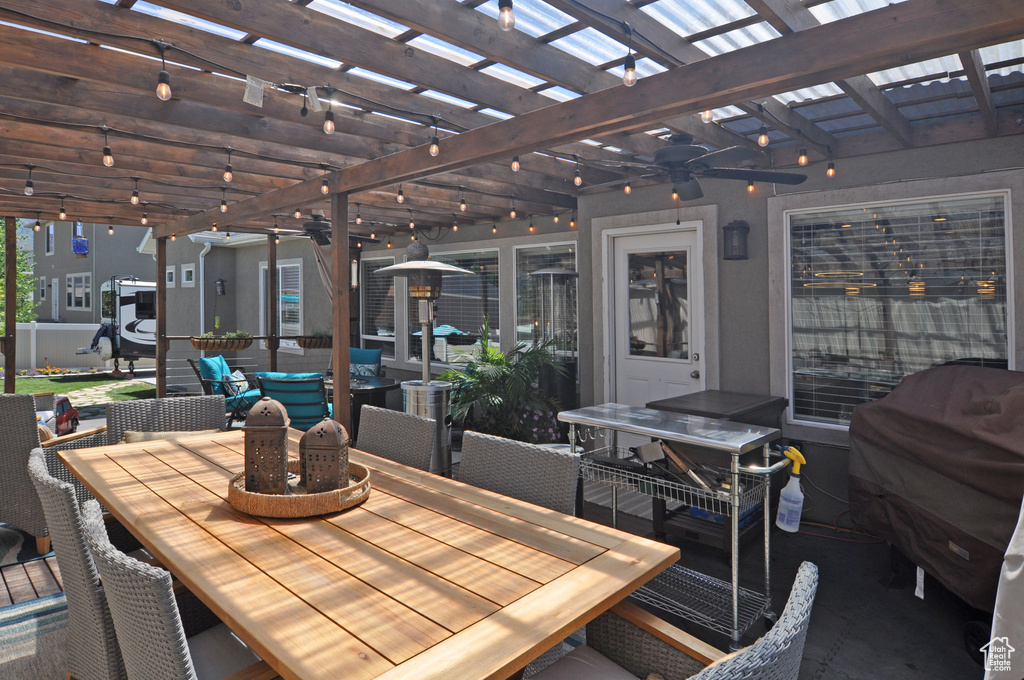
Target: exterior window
(466,302)
(188,276)
(546,296)
(881,291)
(169,275)
(289,303)
(42,287)
(377,305)
(49,239)
(79,291)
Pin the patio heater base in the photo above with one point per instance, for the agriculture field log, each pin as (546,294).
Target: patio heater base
(432,401)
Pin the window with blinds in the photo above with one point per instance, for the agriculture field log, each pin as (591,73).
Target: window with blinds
(466,301)
(289,303)
(377,306)
(879,292)
(546,295)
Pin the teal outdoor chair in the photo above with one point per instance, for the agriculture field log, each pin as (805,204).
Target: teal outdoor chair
(362,362)
(303,395)
(216,377)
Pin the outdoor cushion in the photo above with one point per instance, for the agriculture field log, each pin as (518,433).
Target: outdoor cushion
(363,369)
(364,361)
(278,375)
(215,368)
(584,662)
(235,383)
(131,436)
(304,400)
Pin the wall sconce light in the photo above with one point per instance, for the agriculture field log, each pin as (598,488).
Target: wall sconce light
(735,240)
(354,274)
(220,284)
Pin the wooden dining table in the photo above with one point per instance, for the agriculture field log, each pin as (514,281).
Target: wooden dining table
(428,578)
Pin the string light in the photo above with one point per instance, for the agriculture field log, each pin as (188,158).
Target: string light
(223,199)
(455,222)
(298,213)
(830,172)
(412,224)
(276,228)
(163,79)
(228,174)
(304,111)
(802,158)
(629,74)
(214,227)
(572,220)
(174,237)
(373,234)
(227,236)
(110,225)
(577,178)
(329,119)
(462,200)
(359,217)
(506,19)
(515,164)
(389,241)
(512,212)
(435,146)
(707,116)
(277,240)
(37,226)
(324,188)
(762,137)
(675,194)
(531,224)
(30,187)
(135,192)
(556,219)
(63,213)
(750,186)
(145,219)
(628,189)
(108,155)
(401,195)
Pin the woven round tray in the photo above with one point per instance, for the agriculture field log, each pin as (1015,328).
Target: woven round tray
(300,504)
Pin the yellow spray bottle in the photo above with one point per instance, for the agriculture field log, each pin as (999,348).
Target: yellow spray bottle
(791,499)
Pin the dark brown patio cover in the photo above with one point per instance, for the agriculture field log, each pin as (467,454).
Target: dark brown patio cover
(937,468)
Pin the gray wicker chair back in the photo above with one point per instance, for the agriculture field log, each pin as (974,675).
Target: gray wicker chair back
(164,415)
(775,656)
(93,652)
(535,474)
(402,437)
(142,605)
(19,434)
(46,402)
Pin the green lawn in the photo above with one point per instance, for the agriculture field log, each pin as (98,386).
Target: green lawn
(62,384)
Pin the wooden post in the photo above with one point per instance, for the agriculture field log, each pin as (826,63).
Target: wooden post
(11,302)
(273,300)
(340,308)
(161,317)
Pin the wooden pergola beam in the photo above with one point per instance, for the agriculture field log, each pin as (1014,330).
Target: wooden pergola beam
(914,30)
(974,67)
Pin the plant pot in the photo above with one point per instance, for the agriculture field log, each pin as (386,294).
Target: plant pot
(315,341)
(220,344)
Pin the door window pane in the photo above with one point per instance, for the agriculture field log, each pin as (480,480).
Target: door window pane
(658,305)
(883,291)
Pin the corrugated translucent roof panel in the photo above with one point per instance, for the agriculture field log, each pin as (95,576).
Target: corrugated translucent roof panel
(810,93)
(559,94)
(848,125)
(445,50)
(687,18)
(1005,52)
(739,38)
(273,46)
(187,20)
(511,75)
(494,113)
(360,17)
(454,101)
(933,69)
(841,9)
(591,46)
(381,78)
(533,17)
(1007,90)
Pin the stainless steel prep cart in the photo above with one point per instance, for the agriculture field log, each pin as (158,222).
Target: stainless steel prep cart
(711,602)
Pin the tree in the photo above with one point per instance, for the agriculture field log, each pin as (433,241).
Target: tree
(26,282)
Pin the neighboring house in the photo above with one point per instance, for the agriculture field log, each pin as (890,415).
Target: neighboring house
(68,284)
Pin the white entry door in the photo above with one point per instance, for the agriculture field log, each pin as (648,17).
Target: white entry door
(658,315)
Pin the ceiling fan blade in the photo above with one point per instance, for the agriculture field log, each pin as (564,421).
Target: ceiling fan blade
(733,155)
(754,175)
(619,165)
(619,182)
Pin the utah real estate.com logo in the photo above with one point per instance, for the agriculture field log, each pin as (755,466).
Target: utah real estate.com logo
(997,654)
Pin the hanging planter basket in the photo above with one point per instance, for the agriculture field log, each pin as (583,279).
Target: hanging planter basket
(220,344)
(315,341)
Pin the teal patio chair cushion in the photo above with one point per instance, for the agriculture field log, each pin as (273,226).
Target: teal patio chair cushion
(363,361)
(302,395)
(215,368)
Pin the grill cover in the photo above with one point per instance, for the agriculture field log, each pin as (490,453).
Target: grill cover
(937,469)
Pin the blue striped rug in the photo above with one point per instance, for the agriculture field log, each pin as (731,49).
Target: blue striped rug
(25,620)
(33,639)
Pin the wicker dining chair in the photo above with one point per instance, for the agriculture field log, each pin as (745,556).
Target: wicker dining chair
(148,625)
(536,474)
(402,437)
(632,643)
(19,434)
(174,414)
(93,652)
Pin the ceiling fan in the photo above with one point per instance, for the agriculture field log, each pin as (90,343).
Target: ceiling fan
(319,229)
(684,162)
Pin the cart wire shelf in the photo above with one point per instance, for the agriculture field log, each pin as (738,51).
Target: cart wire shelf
(702,599)
(715,502)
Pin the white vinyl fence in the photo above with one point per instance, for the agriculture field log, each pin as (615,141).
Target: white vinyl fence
(56,344)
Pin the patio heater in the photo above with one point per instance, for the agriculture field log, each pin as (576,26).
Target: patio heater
(556,321)
(426,397)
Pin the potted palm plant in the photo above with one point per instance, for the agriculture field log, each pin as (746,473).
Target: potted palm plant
(230,341)
(498,392)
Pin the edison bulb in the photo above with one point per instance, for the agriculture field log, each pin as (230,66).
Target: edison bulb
(515,164)
(506,19)
(435,147)
(163,86)
(108,157)
(629,76)
(802,158)
(707,116)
